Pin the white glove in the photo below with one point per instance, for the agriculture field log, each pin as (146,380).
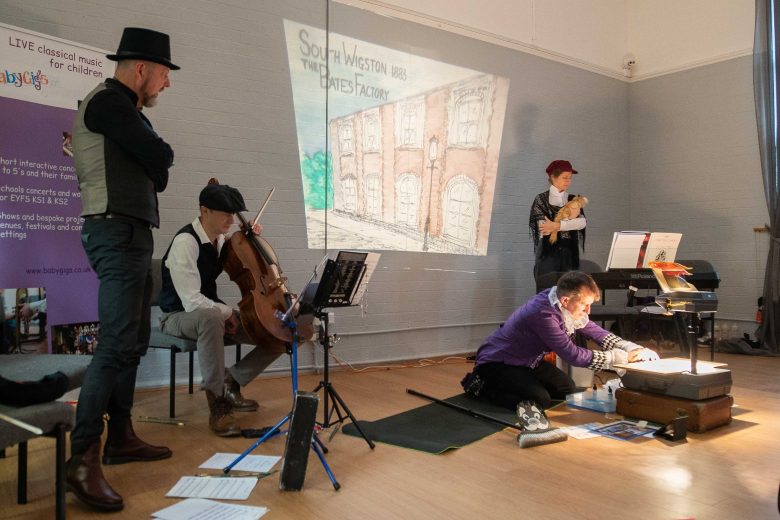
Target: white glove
(628,346)
(617,357)
(644,355)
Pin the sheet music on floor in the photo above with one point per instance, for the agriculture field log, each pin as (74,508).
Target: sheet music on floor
(202,509)
(225,488)
(253,463)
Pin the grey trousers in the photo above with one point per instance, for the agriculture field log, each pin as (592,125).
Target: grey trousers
(120,252)
(207,328)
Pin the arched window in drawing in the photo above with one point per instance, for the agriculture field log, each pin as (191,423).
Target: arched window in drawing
(346,140)
(349,188)
(461,211)
(468,113)
(372,135)
(373,196)
(407,200)
(409,120)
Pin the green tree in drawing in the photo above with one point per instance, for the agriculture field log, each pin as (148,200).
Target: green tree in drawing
(314,171)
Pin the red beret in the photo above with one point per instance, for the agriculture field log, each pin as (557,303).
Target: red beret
(560,166)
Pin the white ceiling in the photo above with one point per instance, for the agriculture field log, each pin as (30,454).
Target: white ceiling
(663,36)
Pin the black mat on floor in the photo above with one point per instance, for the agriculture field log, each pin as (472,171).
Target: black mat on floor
(436,428)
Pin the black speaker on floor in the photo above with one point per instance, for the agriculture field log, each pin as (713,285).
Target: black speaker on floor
(299,439)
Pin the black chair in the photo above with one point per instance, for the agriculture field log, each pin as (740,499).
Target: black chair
(53,418)
(174,344)
(547,280)
(589,266)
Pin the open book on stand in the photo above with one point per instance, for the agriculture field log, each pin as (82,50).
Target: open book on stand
(636,249)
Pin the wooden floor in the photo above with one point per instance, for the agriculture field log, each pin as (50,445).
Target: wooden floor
(730,473)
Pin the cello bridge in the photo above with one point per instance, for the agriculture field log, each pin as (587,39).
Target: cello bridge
(278,282)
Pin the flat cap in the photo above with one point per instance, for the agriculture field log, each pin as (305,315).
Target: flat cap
(222,197)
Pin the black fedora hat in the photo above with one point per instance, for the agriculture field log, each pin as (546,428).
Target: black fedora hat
(144,44)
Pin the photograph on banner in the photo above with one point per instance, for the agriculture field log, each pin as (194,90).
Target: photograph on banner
(24,320)
(75,338)
(41,81)
(412,145)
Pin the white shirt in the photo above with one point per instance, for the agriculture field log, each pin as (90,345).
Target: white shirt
(560,198)
(183,264)
(39,305)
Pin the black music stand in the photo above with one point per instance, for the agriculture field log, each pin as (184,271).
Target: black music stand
(342,283)
(316,444)
(682,299)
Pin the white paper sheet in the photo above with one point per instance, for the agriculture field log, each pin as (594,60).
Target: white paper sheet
(253,463)
(662,247)
(371,262)
(624,252)
(225,488)
(202,509)
(673,365)
(584,431)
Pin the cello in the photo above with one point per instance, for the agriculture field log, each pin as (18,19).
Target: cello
(251,263)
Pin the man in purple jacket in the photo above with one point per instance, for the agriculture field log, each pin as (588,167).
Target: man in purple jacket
(510,367)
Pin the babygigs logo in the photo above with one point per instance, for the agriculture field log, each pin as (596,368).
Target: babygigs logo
(19,79)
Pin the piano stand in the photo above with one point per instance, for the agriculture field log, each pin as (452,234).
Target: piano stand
(628,317)
(691,324)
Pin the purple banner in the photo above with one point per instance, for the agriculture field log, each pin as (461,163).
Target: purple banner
(45,277)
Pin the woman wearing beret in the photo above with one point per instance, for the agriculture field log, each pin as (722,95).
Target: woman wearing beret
(563,255)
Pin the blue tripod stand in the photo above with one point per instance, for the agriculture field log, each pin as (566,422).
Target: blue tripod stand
(316,444)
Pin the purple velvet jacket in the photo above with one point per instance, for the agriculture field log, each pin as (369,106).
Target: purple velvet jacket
(533,330)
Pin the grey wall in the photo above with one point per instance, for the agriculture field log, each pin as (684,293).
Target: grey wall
(695,170)
(683,141)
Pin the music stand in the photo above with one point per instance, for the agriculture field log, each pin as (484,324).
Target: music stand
(679,296)
(316,444)
(342,284)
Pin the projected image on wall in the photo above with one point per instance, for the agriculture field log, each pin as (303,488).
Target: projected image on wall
(398,152)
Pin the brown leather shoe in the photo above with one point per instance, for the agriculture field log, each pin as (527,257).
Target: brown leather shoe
(233,394)
(122,445)
(84,477)
(221,420)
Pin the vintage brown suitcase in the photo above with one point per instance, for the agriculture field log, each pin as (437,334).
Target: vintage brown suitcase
(715,382)
(703,415)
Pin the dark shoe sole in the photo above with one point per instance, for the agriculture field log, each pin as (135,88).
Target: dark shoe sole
(93,503)
(227,433)
(113,461)
(245,409)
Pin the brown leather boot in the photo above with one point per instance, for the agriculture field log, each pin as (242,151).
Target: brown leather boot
(233,394)
(122,445)
(221,420)
(84,477)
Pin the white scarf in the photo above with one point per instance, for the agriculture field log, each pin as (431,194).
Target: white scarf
(570,323)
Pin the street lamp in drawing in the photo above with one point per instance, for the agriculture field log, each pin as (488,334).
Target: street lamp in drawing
(433,150)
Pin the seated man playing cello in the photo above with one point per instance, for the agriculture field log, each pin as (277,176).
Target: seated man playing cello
(192,309)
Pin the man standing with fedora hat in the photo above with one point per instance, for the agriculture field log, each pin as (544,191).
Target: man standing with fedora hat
(121,164)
